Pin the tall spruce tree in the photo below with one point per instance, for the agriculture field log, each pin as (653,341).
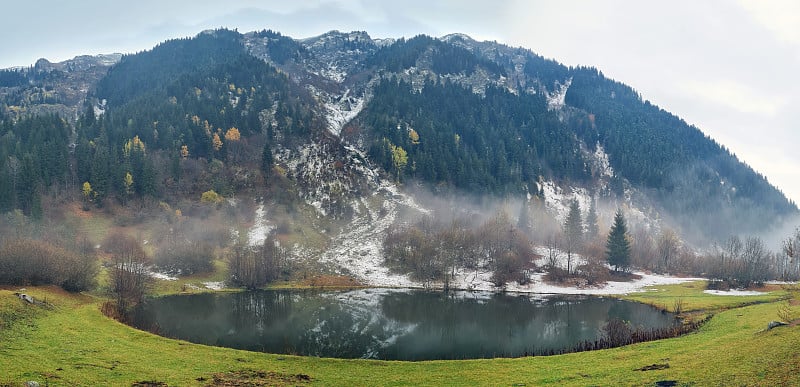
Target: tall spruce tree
(592,229)
(267,161)
(573,232)
(618,248)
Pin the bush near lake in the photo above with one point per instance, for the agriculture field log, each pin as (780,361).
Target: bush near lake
(35,262)
(185,258)
(432,251)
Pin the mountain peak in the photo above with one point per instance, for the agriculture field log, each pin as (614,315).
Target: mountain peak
(333,35)
(455,37)
(475,116)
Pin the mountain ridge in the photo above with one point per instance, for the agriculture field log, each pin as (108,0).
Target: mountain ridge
(333,79)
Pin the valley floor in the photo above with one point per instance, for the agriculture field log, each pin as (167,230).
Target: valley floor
(73,343)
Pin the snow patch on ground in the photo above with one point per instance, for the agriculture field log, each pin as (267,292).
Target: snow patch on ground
(219,285)
(162,276)
(611,287)
(557,200)
(480,280)
(332,72)
(556,99)
(601,163)
(734,292)
(358,250)
(261,228)
(341,110)
(560,258)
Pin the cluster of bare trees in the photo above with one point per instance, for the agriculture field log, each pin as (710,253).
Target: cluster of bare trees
(662,253)
(37,262)
(129,271)
(737,262)
(185,258)
(788,266)
(180,255)
(255,266)
(740,263)
(433,252)
(577,251)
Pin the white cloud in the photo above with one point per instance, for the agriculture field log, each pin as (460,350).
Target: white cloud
(733,94)
(781,17)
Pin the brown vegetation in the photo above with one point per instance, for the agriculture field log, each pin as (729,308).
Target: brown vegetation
(254,267)
(255,378)
(130,277)
(185,258)
(432,252)
(35,262)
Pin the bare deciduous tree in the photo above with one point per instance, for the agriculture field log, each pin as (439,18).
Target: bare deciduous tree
(130,274)
(667,248)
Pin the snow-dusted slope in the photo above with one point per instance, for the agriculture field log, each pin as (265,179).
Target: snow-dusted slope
(355,191)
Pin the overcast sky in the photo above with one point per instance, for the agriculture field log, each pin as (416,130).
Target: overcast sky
(728,67)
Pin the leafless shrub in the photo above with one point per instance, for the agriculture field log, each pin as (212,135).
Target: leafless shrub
(785,312)
(34,262)
(678,305)
(254,267)
(130,277)
(431,252)
(618,332)
(185,258)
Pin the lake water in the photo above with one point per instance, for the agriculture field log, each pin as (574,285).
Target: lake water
(390,324)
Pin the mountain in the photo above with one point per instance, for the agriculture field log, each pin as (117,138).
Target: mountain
(495,119)
(336,119)
(49,87)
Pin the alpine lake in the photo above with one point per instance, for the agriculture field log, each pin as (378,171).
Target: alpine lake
(391,324)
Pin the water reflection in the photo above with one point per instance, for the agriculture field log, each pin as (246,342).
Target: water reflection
(390,324)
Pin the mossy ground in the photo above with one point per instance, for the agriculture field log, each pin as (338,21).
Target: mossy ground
(72,343)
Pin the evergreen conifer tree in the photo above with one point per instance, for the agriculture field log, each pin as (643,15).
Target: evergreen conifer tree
(573,232)
(618,248)
(592,229)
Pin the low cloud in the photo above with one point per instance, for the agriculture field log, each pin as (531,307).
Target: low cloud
(735,95)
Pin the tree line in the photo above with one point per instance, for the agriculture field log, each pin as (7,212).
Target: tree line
(575,252)
(445,134)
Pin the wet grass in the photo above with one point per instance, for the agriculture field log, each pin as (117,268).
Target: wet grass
(72,343)
(690,297)
(191,284)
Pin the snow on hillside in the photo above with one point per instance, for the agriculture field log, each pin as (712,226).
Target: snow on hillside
(555,99)
(333,72)
(557,199)
(601,163)
(358,250)
(257,234)
(341,110)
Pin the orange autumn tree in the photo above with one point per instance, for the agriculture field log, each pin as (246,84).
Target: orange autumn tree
(233,144)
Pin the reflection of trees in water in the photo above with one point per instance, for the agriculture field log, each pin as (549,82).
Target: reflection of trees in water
(180,316)
(439,307)
(459,326)
(305,323)
(262,309)
(392,325)
(337,330)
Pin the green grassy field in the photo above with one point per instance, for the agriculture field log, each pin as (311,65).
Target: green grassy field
(72,343)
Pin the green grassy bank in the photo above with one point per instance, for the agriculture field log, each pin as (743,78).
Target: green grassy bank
(72,343)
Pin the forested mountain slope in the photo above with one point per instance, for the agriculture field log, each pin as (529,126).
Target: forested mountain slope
(236,112)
